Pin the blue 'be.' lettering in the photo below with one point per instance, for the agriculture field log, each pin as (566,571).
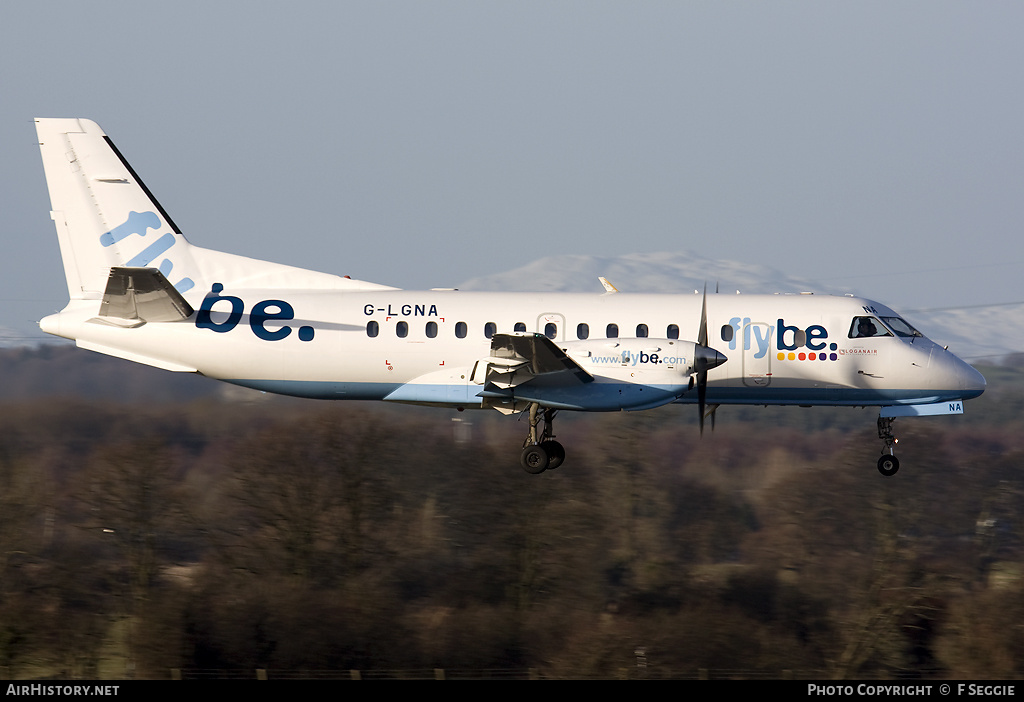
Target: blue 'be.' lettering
(262,312)
(812,334)
(204,319)
(259,316)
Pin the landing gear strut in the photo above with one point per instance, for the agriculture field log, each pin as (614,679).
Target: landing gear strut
(888,464)
(540,451)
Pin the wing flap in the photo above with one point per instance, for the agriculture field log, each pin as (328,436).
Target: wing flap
(521,358)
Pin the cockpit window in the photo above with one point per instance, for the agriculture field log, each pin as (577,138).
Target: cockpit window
(900,326)
(867,327)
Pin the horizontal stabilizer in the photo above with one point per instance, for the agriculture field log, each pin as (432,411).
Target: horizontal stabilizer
(160,363)
(141,295)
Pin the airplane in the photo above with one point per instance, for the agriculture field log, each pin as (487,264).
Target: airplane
(138,290)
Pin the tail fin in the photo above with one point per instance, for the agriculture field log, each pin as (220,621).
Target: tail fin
(105,215)
(107,218)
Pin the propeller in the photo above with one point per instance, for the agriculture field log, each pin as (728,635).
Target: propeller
(705,358)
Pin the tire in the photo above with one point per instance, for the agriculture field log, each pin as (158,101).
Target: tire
(888,465)
(555,451)
(534,459)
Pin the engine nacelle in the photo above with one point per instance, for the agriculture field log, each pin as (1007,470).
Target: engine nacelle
(645,360)
(625,374)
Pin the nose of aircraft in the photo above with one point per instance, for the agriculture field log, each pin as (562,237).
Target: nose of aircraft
(971,381)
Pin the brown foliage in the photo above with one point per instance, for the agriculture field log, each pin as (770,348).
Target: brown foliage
(301,535)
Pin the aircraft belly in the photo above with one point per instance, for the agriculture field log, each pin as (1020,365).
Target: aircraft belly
(823,395)
(319,389)
(594,397)
(445,387)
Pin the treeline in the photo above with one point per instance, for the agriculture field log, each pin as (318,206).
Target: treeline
(136,539)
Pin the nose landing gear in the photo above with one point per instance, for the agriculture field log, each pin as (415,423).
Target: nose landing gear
(888,464)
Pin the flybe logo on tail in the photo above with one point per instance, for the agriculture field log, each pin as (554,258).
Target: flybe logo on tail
(139,223)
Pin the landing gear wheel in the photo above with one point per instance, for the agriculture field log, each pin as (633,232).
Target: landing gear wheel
(535,459)
(888,465)
(540,451)
(556,454)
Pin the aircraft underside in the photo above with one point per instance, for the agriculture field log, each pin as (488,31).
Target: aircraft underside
(469,397)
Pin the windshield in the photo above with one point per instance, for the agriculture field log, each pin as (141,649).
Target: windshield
(867,327)
(901,327)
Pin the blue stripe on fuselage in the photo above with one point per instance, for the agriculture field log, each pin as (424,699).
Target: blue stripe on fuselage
(446,394)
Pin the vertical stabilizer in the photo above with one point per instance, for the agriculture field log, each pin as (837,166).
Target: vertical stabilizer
(104,214)
(107,218)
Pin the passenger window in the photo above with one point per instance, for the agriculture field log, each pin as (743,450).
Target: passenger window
(673,331)
(402,329)
(520,326)
(612,331)
(372,329)
(431,330)
(641,331)
(727,332)
(460,330)
(866,328)
(489,329)
(582,331)
(551,330)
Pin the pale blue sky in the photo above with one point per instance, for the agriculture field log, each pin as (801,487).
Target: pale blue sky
(419,144)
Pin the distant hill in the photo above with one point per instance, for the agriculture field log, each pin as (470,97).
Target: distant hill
(670,272)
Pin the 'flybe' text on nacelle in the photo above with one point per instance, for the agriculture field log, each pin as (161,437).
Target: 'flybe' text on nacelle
(613,356)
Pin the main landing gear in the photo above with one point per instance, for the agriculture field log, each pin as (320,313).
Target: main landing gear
(540,451)
(888,464)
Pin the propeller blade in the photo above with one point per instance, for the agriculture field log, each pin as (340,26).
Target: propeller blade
(702,392)
(702,333)
(702,371)
(705,358)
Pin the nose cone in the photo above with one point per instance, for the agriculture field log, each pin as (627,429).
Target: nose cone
(707,358)
(971,381)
